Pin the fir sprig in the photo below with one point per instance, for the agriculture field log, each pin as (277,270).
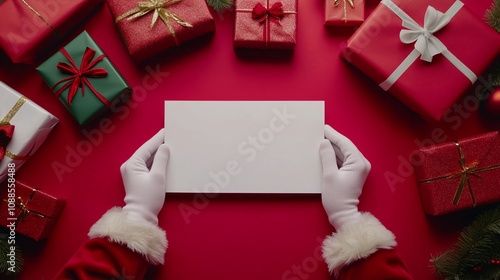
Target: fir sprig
(471,256)
(4,250)
(220,5)
(493,15)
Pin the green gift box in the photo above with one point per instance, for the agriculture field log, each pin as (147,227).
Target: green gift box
(85,80)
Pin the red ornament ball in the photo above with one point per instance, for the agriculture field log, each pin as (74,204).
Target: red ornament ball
(492,105)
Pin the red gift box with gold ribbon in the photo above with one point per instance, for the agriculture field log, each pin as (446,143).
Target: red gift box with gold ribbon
(28,211)
(423,52)
(460,174)
(32,28)
(151,27)
(344,12)
(265,24)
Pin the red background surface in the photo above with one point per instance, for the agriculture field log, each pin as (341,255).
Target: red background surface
(241,237)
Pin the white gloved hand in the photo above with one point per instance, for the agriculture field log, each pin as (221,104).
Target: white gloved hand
(144,177)
(344,173)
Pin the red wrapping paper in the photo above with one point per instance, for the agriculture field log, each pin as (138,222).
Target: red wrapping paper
(143,42)
(440,173)
(428,88)
(250,33)
(25,38)
(343,14)
(44,211)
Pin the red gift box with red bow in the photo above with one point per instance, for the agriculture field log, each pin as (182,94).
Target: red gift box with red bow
(265,24)
(28,211)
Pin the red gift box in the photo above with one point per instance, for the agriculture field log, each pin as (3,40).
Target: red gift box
(31,28)
(178,21)
(28,211)
(465,46)
(344,12)
(458,175)
(265,24)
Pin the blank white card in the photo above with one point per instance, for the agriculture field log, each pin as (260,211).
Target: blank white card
(244,146)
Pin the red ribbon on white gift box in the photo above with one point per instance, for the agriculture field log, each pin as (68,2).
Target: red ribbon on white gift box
(426,44)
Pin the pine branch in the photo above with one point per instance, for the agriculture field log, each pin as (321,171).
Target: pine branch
(493,15)
(220,5)
(4,250)
(477,245)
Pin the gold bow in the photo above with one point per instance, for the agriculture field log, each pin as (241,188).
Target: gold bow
(158,7)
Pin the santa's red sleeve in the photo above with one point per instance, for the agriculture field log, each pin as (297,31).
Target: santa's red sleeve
(364,250)
(118,248)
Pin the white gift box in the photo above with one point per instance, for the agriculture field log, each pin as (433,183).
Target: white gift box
(32,126)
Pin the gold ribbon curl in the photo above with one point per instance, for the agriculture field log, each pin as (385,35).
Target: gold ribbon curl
(464,176)
(158,7)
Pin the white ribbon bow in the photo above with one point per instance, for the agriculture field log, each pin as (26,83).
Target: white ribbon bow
(426,44)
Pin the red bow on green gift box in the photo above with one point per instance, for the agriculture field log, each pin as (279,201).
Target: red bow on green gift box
(79,75)
(6,132)
(274,14)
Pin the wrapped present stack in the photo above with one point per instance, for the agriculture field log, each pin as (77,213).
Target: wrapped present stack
(81,67)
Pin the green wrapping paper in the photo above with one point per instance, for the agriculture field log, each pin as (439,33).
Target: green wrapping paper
(85,107)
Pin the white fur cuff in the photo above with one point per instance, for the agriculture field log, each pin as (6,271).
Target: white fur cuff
(142,237)
(356,241)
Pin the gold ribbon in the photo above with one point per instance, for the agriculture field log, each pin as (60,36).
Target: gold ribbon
(6,120)
(41,17)
(158,7)
(24,208)
(13,110)
(351,3)
(464,176)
